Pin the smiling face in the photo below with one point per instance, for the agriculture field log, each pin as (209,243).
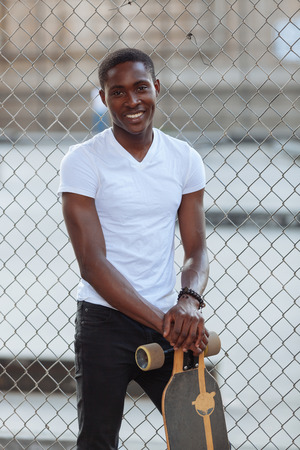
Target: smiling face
(130,95)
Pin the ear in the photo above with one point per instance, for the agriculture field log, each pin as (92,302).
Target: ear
(157,87)
(102,95)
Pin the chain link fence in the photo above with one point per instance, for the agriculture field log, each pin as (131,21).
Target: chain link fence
(230,75)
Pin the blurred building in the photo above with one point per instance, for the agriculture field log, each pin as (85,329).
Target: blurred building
(225,67)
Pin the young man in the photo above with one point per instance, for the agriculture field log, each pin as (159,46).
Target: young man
(121,192)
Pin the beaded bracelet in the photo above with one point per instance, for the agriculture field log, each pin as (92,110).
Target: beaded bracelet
(188,291)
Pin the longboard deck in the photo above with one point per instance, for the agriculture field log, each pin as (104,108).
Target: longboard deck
(189,429)
(191,405)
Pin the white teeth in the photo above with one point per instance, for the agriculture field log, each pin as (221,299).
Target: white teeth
(134,116)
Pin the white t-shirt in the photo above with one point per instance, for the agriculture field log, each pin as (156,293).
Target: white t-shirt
(137,204)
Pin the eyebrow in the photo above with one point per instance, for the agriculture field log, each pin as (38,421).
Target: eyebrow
(117,86)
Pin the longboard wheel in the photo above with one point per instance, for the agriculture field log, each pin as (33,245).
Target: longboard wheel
(214,344)
(150,356)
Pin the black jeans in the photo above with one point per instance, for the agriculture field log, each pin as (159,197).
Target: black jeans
(105,344)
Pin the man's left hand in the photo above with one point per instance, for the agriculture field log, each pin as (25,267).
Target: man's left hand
(184,327)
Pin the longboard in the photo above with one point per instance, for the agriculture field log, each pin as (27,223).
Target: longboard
(192,406)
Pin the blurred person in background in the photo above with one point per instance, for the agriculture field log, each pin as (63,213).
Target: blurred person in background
(99,112)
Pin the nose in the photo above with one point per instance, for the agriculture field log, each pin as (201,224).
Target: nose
(132,99)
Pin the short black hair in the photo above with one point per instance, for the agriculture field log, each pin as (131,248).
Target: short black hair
(121,56)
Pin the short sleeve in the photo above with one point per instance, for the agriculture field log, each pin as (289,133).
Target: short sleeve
(195,179)
(77,173)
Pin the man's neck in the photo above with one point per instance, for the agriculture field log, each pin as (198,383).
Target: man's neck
(135,144)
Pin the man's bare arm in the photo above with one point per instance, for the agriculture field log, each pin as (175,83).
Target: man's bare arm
(184,323)
(192,229)
(87,238)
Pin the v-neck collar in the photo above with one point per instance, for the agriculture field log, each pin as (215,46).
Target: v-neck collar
(131,159)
